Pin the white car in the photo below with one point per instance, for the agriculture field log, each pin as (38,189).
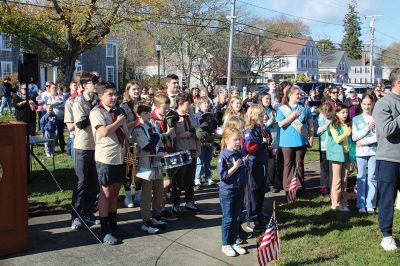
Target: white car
(360,88)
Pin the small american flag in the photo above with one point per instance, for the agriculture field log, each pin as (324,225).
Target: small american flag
(269,248)
(291,196)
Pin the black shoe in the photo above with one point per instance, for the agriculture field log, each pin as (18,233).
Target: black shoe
(275,190)
(90,219)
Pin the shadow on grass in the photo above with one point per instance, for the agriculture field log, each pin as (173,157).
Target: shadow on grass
(320,259)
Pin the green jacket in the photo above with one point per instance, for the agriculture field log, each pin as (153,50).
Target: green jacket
(335,150)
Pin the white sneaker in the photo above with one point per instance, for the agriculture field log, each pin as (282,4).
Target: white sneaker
(239,249)
(197,182)
(361,210)
(211,182)
(149,228)
(128,199)
(228,251)
(388,243)
(370,210)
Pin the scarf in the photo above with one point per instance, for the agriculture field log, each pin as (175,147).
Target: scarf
(114,113)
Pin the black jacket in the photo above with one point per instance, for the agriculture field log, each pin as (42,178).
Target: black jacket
(24,112)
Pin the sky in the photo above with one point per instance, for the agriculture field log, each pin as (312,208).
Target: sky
(333,12)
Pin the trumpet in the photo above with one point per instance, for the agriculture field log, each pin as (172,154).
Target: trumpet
(130,164)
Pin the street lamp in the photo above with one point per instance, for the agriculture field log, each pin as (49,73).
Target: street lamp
(158,50)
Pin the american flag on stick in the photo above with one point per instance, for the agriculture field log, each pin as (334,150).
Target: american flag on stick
(269,248)
(291,196)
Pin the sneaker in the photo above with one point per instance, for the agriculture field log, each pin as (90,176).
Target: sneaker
(109,239)
(48,155)
(191,206)
(361,210)
(370,210)
(388,243)
(168,216)
(76,224)
(90,219)
(253,227)
(211,182)
(128,200)
(239,249)
(158,222)
(343,209)
(197,182)
(150,228)
(176,209)
(228,251)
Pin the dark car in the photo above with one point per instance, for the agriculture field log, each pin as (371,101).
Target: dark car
(307,86)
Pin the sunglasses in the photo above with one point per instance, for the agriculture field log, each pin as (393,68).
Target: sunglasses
(334,92)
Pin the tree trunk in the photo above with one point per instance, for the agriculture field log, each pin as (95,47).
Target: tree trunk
(67,68)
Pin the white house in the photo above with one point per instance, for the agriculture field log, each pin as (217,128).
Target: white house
(334,67)
(293,56)
(360,71)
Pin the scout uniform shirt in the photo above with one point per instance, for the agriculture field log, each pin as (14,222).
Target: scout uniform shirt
(68,114)
(184,124)
(108,150)
(80,111)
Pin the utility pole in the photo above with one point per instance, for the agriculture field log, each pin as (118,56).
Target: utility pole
(372,34)
(232,17)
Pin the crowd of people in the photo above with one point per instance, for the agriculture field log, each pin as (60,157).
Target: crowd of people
(263,142)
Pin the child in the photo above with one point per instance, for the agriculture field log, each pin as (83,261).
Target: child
(208,126)
(109,130)
(341,151)
(183,178)
(324,120)
(147,137)
(167,134)
(365,137)
(48,125)
(233,179)
(256,142)
(234,109)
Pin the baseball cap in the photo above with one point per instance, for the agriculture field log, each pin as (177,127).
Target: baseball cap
(352,90)
(48,83)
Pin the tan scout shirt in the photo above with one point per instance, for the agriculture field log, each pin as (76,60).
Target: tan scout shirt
(142,137)
(190,143)
(80,110)
(68,115)
(108,150)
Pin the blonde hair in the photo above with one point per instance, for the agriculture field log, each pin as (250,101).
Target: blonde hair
(251,117)
(235,122)
(288,93)
(227,134)
(229,110)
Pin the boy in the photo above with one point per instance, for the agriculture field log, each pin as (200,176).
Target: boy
(183,178)
(149,148)
(161,109)
(86,188)
(48,125)
(208,126)
(109,130)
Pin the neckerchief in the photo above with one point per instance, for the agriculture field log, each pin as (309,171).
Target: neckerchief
(119,132)
(186,122)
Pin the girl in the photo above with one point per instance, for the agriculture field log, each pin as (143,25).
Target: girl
(296,133)
(233,179)
(341,152)
(256,142)
(131,97)
(234,109)
(366,143)
(323,121)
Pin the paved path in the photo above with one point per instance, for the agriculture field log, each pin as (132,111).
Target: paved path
(193,240)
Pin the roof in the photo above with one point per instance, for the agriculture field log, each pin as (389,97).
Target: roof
(331,59)
(358,63)
(283,47)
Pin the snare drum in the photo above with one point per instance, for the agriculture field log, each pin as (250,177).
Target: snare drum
(176,159)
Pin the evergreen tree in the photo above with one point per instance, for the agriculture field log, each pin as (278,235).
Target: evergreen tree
(352,32)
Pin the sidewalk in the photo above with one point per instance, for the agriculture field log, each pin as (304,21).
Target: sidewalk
(192,240)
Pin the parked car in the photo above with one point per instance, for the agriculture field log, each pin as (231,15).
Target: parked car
(360,88)
(307,86)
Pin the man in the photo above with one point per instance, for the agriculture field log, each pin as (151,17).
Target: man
(386,115)
(6,90)
(342,94)
(172,89)
(272,90)
(378,91)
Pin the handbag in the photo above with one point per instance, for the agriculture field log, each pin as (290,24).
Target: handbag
(145,173)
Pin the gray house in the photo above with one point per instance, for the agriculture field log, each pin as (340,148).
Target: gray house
(334,67)
(8,56)
(360,72)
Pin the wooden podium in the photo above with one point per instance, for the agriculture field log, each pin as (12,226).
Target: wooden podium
(13,188)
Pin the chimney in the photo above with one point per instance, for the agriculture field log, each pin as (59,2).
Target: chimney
(363,59)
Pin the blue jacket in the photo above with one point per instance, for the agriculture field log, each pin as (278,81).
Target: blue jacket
(48,122)
(225,162)
(254,145)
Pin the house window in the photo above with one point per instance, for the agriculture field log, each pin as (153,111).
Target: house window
(6,68)
(6,42)
(110,73)
(109,50)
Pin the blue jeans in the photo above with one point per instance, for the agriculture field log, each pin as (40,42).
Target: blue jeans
(366,186)
(70,143)
(49,146)
(204,163)
(231,204)
(4,101)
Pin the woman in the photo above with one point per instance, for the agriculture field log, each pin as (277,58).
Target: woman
(296,134)
(25,106)
(56,100)
(353,103)
(132,95)
(333,98)
(210,90)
